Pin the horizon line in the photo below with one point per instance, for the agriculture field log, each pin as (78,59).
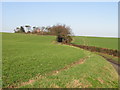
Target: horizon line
(78,35)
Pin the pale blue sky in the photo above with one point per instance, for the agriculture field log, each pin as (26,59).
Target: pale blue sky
(85,18)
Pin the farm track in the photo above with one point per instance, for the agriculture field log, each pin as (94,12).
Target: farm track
(38,77)
(116,65)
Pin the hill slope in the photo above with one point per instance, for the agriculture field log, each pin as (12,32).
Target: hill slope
(27,56)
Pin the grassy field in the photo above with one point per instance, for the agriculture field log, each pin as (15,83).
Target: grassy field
(93,73)
(24,57)
(104,42)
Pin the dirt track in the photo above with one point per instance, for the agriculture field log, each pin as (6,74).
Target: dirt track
(115,65)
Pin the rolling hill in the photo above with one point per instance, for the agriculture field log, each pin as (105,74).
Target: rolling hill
(34,61)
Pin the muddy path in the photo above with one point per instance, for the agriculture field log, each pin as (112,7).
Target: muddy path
(115,64)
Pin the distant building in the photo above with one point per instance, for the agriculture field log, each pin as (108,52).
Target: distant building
(38,30)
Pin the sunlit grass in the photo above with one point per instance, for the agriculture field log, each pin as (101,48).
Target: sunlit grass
(26,56)
(103,42)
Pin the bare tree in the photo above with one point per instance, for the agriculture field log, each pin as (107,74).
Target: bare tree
(63,33)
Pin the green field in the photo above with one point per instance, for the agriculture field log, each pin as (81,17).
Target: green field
(103,42)
(91,74)
(28,58)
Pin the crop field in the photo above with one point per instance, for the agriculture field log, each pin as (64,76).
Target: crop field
(34,61)
(89,74)
(103,42)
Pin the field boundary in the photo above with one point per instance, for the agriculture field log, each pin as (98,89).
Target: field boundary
(116,53)
(98,49)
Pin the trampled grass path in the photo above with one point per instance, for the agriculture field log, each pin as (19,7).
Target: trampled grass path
(38,77)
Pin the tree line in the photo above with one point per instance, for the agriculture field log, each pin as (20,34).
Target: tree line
(62,31)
